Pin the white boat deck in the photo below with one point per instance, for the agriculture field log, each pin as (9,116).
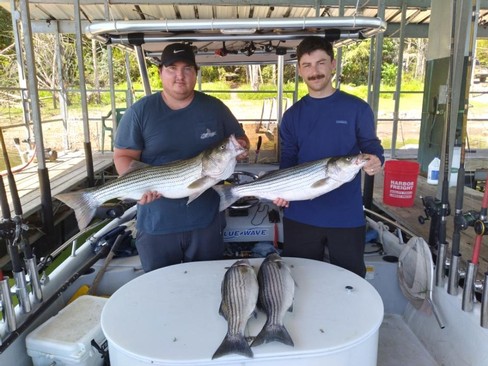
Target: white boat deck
(399,346)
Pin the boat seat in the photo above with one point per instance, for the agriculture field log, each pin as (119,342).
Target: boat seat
(119,112)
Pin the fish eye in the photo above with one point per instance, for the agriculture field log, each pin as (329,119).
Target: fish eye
(222,147)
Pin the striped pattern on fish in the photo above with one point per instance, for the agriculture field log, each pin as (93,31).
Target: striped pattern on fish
(178,179)
(276,292)
(239,298)
(301,182)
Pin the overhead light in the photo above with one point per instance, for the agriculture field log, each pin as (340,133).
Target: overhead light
(238,31)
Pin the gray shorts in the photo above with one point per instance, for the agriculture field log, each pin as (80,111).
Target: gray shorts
(161,250)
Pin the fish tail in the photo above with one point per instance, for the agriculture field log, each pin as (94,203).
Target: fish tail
(233,344)
(83,203)
(271,333)
(227,197)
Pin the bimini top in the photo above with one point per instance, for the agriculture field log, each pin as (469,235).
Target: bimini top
(233,41)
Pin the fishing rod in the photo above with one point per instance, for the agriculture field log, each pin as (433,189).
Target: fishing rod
(444,209)
(11,236)
(19,240)
(461,221)
(6,231)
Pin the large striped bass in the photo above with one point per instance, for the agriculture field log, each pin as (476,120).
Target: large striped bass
(178,179)
(276,291)
(239,297)
(301,182)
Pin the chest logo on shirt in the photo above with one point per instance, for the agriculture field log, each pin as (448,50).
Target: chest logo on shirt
(341,122)
(207,134)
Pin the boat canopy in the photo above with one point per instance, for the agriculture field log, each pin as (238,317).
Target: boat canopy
(232,41)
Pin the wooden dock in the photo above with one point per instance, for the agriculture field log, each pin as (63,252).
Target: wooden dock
(66,172)
(408,216)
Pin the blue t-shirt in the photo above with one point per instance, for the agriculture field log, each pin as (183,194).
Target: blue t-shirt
(164,135)
(316,128)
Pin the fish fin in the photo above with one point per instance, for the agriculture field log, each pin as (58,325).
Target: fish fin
(222,309)
(200,182)
(290,309)
(135,165)
(227,198)
(320,183)
(273,333)
(233,344)
(83,203)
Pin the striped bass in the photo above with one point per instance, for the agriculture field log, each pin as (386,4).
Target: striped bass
(178,179)
(301,182)
(276,291)
(239,297)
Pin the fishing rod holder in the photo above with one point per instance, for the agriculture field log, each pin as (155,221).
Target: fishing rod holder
(469,287)
(440,264)
(34,280)
(484,302)
(8,310)
(455,274)
(22,292)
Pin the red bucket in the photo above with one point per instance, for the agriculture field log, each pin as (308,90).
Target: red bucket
(400,183)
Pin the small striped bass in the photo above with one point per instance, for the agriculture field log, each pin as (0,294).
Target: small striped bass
(301,182)
(276,292)
(178,179)
(239,298)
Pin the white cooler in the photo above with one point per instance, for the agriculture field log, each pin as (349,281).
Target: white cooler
(65,339)
(174,318)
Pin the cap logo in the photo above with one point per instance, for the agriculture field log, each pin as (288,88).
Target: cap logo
(178,51)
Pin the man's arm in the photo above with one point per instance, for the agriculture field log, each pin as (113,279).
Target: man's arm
(123,159)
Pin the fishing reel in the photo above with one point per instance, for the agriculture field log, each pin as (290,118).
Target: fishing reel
(7,229)
(467,219)
(432,209)
(480,227)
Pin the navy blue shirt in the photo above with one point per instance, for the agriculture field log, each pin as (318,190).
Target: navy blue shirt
(317,128)
(164,135)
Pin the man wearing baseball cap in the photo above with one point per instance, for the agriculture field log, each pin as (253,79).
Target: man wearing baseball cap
(178,52)
(176,123)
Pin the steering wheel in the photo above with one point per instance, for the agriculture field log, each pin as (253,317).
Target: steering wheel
(244,202)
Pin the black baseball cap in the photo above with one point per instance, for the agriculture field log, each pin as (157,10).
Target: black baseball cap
(178,52)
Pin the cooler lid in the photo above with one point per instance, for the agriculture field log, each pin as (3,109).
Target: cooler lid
(71,329)
(171,315)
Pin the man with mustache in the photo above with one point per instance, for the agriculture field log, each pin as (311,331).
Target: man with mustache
(327,122)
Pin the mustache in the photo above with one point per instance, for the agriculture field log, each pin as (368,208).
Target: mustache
(316,77)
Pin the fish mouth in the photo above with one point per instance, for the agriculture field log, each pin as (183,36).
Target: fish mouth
(361,159)
(231,144)
(237,145)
